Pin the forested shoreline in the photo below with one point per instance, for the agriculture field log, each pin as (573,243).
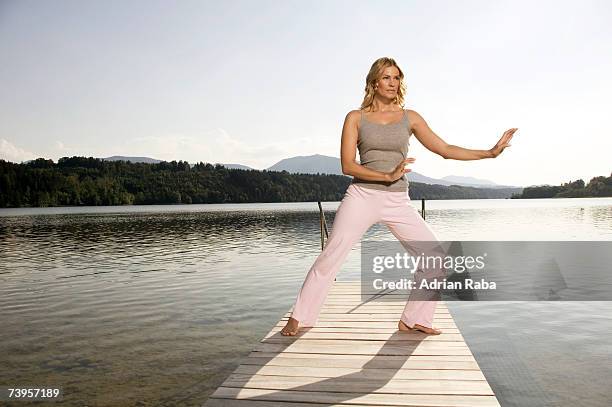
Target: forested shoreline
(597,187)
(76,181)
(80,181)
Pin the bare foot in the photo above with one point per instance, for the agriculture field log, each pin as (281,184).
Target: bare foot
(431,331)
(291,328)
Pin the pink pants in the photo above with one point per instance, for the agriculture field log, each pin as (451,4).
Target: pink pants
(360,208)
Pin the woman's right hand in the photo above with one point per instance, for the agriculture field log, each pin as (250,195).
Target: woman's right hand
(400,170)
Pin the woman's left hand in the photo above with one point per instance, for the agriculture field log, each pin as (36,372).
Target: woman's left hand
(503,142)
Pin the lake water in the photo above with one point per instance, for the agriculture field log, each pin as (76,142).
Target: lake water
(156,305)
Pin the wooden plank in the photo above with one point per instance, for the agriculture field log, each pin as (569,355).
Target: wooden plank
(363,349)
(374,307)
(394,362)
(392,328)
(387,384)
(368,324)
(276,337)
(364,309)
(380,362)
(368,317)
(260,403)
(329,372)
(377,344)
(363,362)
(387,300)
(393,314)
(376,399)
(402,349)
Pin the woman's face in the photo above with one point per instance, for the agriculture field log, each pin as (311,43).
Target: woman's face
(388,84)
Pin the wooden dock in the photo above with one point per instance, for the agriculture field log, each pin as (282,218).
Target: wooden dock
(355,356)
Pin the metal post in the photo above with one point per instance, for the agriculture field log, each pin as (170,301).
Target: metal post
(323,226)
(423,208)
(321,229)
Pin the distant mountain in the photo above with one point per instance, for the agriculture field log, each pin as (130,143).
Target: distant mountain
(471,181)
(414,176)
(317,163)
(309,164)
(468,180)
(147,160)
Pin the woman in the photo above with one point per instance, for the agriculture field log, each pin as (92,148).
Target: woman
(379,191)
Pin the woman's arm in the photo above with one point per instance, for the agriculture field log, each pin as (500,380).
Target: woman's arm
(435,144)
(348,151)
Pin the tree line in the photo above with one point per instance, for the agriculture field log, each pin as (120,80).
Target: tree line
(76,181)
(597,187)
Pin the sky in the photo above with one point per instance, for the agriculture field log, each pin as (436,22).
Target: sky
(254,82)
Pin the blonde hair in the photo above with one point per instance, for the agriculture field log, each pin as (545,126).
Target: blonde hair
(374,75)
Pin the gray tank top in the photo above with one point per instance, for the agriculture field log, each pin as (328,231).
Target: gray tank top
(382,147)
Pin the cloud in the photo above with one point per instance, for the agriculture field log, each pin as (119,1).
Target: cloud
(10,152)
